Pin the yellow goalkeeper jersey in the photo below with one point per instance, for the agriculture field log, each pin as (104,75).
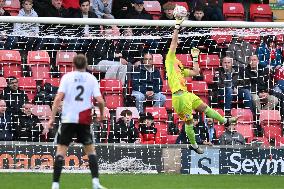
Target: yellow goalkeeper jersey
(176,73)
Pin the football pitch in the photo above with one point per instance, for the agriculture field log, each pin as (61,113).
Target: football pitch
(142,181)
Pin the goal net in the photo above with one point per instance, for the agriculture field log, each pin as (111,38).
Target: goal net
(116,50)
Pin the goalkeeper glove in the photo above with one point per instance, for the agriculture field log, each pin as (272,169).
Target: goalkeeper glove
(195,53)
(178,23)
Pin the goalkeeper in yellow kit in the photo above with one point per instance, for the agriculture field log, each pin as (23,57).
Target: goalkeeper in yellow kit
(183,101)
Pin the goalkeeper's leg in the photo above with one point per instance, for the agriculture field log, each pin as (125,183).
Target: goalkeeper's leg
(209,112)
(191,136)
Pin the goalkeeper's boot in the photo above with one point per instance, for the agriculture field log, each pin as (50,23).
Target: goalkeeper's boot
(232,120)
(198,150)
(55,185)
(98,186)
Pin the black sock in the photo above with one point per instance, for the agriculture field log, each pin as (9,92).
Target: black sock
(94,167)
(58,163)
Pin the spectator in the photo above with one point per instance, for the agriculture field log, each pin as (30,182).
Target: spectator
(232,137)
(230,81)
(269,54)
(213,12)
(147,129)
(28,126)
(121,8)
(124,130)
(25,32)
(198,14)
(83,31)
(13,96)
(102,8)
(168,9)
(206,132)
(240,51)
(147,84)
(108,56)
(261,85)
(50,8)
(138,12)
(6,126)
(3,28)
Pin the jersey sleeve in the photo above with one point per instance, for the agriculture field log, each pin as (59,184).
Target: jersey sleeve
(186,72)
(63,85)
(96,90)
(170,60)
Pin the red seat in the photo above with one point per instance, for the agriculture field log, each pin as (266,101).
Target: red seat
(262,140)
(10,61)
(209,61)
(3,83)
(269,117)
(222,41)
(148,139)
(159,113)
(198,87)
(39,61)
(153,8)
(53,81)
(111,86)
(279,141)
(171,139)
(245,129)
(220,129)
(279,74)
(245,115)
(12,6)
(42,111)
(185,59)
(208,75)
(260,13)
(272,131)
(233,11)
(135,113)
(27,83)
(64,61)
(158,60)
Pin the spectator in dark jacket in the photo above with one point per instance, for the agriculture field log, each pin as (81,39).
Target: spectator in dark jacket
(230,81)
(13,96)
(6,124)
(147,129)
(232,137)
(138,12)
(168,9)
(213,12)
(50,8)
(147,84)
(83,31)
(198,14)
(206,132)
(261,85)
(121,8)
(28,126)
(124,130)
(269,54)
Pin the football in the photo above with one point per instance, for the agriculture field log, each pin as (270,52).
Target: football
(180,12)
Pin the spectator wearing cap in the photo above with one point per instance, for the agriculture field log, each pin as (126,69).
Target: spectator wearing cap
(121,8)
(102,8)
(138,11)
(269,53)
(124,130)
(168,9)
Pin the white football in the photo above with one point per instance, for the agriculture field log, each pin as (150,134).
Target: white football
(180,12)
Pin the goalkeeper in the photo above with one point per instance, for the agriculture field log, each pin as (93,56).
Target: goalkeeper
(183,101)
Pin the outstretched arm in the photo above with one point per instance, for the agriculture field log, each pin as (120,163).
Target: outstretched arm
(174,41)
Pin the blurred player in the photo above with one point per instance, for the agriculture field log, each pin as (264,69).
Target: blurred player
(76,89)
(183,101)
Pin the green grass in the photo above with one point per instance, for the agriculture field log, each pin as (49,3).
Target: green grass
(129,181)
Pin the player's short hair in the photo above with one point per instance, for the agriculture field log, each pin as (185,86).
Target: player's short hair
(126,112)
(83,1)
(80,61)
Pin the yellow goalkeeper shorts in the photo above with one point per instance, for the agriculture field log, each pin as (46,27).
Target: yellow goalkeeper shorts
(184,104)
